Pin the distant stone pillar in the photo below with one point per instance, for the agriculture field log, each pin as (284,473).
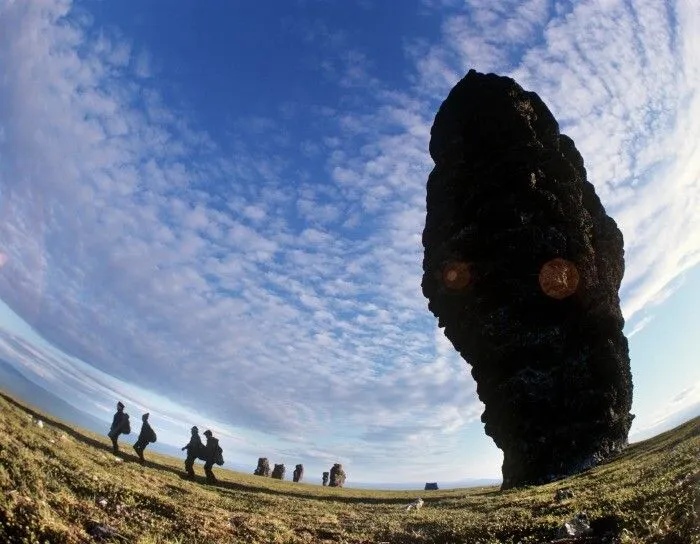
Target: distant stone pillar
(325,478)
(278,472)
(337,476)
(263,468)
(298,473)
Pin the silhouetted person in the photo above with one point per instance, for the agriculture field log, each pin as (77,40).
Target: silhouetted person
(146,436)
(120,425)
(194,448)
(211,455)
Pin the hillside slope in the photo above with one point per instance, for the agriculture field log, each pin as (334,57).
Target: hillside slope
(60,484)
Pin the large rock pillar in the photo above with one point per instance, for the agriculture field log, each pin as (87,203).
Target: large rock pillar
(522,268)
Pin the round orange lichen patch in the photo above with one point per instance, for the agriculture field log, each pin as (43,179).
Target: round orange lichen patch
(456,275)
(559,278)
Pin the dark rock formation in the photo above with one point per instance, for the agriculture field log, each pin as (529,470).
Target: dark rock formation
(576,526)
(325,478)
(298,473)
(101,532)
(563,494)
(278,472)
(431,486)
(522,268)
(263,468)
(337,476)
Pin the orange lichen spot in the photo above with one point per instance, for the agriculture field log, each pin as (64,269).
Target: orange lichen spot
(456,275)
(559,278)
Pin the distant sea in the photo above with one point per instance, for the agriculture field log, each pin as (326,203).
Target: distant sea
(420,486)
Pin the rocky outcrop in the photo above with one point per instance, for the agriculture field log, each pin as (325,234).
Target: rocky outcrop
(563,494)
(263,468)
(431,486)
(522,268)
(324,481)
(278,472)
(298,473)
(337,478)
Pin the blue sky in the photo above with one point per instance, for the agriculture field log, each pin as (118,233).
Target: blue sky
(213,211)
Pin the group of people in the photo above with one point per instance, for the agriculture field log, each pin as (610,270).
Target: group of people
(211,453)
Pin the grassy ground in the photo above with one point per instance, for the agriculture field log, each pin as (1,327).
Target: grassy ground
(57,482)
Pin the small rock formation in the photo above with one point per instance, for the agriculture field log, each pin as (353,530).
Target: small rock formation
(563,494)
(522,268)
(263,468)
(576,526)
(101,532)
(298,473)
(278,472)
(431,486)
(582,530)
(415,505)
(337,476)
(325,479)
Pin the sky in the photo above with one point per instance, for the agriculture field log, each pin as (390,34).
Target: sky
(213,211)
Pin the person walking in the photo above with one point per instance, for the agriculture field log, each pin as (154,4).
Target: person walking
(120,425)
(194,449)
(146,436)
(212,454)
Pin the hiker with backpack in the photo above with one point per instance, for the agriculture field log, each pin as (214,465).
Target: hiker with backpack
(120,425)
(195,449)
(213,455)
(146,437)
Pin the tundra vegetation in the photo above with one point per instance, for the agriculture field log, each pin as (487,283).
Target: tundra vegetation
(59,482)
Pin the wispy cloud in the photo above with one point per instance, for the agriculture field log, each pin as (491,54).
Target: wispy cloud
(273,278)
(684,406)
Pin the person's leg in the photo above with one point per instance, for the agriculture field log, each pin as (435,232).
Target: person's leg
(208,471)
(189,466)
(115,446)
(139,447)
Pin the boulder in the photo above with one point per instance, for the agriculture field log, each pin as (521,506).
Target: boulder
(278,472)
(522,267)
(431,486)
(325,479)
(337,476)
(298,473)
(576,526)
(563,494)
(263,468)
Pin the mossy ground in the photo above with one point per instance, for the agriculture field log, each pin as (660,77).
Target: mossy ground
(58,480)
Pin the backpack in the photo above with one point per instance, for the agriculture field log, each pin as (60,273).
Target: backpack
(219,456)
(126,426)
(153,436)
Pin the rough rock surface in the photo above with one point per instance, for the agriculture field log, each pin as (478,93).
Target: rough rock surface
(325,478)
(263,468)
(298,473)
(522,267)
(576,526)
(278,472)
(337,476)
(563,494)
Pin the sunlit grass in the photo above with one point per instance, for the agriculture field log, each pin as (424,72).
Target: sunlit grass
(56,482)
